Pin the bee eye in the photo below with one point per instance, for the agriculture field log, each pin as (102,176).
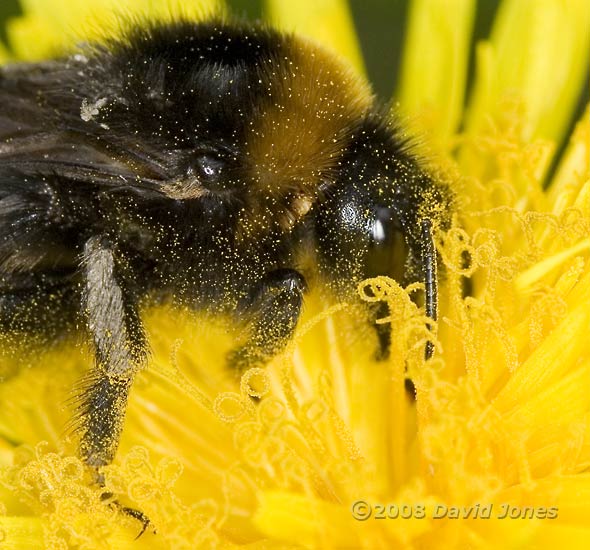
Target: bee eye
(387,248)
(385,227)
(209,167)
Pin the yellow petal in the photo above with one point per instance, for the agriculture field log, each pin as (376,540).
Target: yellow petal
(572,537)
(538,54)
(293,517)
(434,65)
(17,533)
(49,28)
(527,278)
(557,354)
(327,21)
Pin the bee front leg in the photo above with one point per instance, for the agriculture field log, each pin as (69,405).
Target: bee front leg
(120,351)
(272,310)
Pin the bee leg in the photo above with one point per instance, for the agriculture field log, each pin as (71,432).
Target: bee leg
(131,512)
(120,351)
(272,308)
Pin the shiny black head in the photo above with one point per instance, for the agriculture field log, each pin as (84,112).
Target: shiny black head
(372,221)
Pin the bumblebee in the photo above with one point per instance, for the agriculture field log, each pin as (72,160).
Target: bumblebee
(216,165)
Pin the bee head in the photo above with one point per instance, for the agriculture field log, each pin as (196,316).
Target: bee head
(372,221)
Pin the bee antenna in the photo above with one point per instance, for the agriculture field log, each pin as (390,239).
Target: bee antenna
(430,278)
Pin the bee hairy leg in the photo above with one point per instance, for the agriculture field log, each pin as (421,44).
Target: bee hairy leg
(272,310)
(120,351)
(101,412)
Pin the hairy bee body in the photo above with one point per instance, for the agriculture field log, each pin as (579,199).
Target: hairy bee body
(217,165)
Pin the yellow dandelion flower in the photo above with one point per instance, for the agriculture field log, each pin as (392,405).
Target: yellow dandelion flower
(495,449)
